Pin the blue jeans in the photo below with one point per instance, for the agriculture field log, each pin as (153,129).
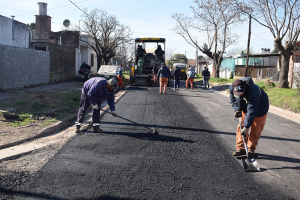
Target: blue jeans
(176,83)
(206,81)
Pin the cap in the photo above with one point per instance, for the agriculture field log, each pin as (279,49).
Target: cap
(112,82)
(238,87)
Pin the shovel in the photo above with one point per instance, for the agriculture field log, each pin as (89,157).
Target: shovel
(151,129)
(250,165)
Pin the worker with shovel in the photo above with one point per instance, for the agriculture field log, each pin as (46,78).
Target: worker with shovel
(93,92)
(251,103)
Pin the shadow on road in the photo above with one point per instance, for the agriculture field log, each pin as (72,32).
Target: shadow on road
(146,136)
(43,196)
(200,130)
(279,158)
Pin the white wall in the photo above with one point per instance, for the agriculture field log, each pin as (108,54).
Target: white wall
(21,33)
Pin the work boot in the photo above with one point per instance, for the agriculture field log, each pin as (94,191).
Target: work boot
(251,154)
(239,153)
(97,129)
(77,130)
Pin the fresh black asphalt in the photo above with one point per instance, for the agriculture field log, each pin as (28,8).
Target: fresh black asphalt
(187,160)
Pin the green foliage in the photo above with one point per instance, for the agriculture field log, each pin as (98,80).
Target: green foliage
(200,57)
(177,58)
(38,106)
(244,50)
(31,26)
(231,75)
(23,122)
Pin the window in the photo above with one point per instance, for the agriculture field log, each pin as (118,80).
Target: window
(92,59)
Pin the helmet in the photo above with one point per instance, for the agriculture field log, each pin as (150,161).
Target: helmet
(112,82)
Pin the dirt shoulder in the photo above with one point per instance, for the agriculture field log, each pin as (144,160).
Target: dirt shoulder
(38,109)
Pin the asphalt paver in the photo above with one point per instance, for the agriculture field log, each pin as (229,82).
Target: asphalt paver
(189,159)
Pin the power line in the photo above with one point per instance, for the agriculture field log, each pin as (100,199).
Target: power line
(52,8)
(80,9)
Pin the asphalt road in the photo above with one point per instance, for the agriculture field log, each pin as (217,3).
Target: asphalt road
(189,159)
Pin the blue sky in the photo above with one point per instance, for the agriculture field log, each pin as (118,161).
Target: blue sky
(145,18)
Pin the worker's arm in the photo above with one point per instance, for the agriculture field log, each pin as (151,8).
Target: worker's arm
(252,107)
(111,100)
(234,100)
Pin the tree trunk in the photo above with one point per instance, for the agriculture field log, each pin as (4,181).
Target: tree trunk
(284,72)
(106,61)
(99,62)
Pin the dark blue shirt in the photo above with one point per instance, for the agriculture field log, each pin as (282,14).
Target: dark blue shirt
(164,72)
(95,89)
(254,102)
(177,74)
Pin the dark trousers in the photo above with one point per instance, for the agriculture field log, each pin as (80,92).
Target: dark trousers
(176,83)
(84,104)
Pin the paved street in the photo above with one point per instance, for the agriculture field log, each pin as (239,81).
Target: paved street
(189,159)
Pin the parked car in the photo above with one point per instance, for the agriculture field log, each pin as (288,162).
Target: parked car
(108,71)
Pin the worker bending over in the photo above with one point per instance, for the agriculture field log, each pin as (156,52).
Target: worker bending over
(93,92)
(251,103)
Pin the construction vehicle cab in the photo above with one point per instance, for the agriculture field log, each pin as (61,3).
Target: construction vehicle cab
(141,72)
(181,63)
(183,68)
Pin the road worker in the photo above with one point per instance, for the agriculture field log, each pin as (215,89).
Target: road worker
(93,92)
(164,74)
(120,76)
(251,103)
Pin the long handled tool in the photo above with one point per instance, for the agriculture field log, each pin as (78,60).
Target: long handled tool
(151,129)
(250,164)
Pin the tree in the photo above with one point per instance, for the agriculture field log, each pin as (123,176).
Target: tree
(106,32)
(275,50)
(31,26)
(128,53)
(282,18)
(213,17)
(169,53)
(200,57)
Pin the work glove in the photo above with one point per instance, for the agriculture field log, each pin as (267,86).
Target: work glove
(96,107)
(238,114)
(244,131)
(114,114)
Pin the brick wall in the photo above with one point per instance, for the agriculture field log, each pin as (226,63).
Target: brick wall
(62,63)
(21,67)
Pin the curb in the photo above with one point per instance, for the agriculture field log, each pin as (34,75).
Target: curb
(62,124)
(47,131)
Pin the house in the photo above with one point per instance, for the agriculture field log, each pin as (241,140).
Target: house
(260,66)
(86,54)
(227,67)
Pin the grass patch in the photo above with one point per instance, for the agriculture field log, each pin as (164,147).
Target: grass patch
(54,105)
(24,122)
(221,80)
(285,98)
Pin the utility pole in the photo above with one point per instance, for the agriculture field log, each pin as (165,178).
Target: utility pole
(248,46)
(196,60)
